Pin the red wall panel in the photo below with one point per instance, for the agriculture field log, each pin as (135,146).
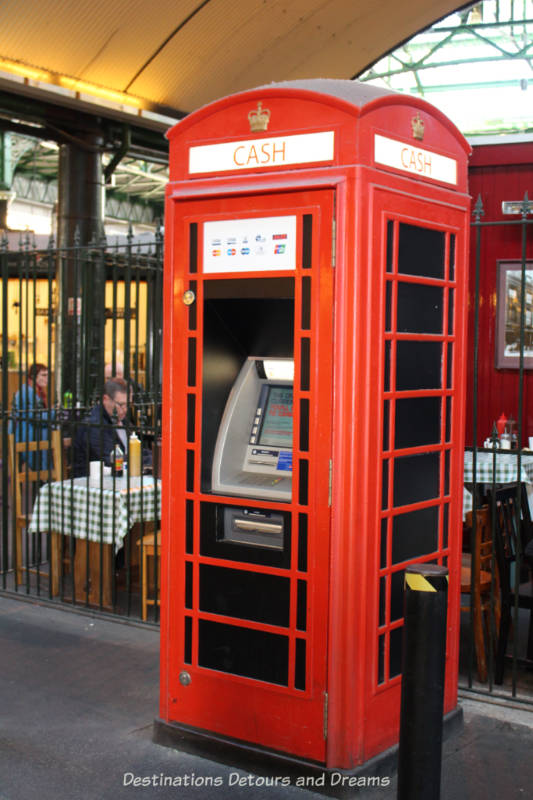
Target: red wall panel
(497,173)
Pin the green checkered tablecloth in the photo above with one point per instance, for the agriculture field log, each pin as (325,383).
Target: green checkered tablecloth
(95,512)
(504,471)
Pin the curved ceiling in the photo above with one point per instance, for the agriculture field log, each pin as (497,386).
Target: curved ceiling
(180,54)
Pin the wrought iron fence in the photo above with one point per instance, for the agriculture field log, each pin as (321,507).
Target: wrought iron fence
(81,382)
(497,569)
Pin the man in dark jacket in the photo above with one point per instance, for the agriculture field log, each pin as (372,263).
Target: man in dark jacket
(103,429)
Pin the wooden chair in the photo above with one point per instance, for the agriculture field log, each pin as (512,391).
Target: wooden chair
(480,580)
(512,531)
(150,547)
(25,481)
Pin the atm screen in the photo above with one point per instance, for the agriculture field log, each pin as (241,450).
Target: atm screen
(276,429)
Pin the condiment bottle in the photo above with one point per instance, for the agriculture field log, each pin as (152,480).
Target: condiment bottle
(116,459)
(501,424)
(134,446)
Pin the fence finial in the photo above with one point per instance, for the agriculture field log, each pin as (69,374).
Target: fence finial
(479,211)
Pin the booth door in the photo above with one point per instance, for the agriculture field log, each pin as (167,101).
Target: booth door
(246,624)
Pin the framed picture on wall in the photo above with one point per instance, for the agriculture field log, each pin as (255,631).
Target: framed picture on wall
(508,313)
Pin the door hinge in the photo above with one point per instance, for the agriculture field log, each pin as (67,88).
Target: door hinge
(333,242)
(330,481)
(325,715)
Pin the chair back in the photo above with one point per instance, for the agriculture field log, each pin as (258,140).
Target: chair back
(22,474)
(512,529)
(482,551)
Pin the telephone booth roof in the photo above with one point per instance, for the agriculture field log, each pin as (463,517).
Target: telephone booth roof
(352,113)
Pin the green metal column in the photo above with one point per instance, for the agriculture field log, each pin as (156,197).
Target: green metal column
(6,177)
(81,269)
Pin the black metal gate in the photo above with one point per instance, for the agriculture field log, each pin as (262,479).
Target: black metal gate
(497,590)
(72,319)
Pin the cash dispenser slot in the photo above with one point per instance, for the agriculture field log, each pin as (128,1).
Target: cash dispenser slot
(253,527)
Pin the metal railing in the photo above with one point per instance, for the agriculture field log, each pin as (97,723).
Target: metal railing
(82,315)
(501,332)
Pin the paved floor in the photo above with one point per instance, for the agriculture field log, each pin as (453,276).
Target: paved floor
(78,696)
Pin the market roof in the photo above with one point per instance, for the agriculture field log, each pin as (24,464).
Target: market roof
(181,54)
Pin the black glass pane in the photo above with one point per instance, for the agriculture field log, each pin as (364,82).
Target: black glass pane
(388,306)
(451,300)
(304,424)
(299,667)
(190,471)
(416,478)
(395,655)
(303,491)
(386,424)
(246,595)
(305,365)
(390,245)
(445,522)
(417,422)
(415,534)
(421,251)
(191,417)
(191,366)
(188,584)
(189,526)
(386,381)
(302,543)
(448,418)
(397,581)
(243,651)
(449,379)
(306,303)
(447,472)
(301,606)
(382,600)
(381,659)
(307,241)
(418,365)
(193,247)
(383,549)
(419,308)
(385,485)
(452,258)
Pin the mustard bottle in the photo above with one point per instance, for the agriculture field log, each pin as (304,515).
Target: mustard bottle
(134,460)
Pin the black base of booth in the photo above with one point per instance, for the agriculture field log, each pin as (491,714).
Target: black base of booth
(269,764)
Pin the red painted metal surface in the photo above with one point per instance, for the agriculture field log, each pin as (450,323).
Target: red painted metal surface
(497,173)
(353,633)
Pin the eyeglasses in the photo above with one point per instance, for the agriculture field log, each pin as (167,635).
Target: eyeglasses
(120,405)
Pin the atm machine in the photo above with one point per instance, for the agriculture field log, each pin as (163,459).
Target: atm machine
(316,237)
(253,452)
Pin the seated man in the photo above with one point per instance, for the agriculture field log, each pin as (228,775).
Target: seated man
(103,428)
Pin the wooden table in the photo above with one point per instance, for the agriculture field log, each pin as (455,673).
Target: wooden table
(98,516)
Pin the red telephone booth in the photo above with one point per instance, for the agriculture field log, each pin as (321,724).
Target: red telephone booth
(314,353)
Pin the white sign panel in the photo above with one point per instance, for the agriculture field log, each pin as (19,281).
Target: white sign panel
(260,244)
(277,151)
(415,160)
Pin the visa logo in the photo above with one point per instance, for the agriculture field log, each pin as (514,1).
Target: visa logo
(245,251)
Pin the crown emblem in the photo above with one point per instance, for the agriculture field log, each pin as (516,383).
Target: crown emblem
(259,118)
(417,124)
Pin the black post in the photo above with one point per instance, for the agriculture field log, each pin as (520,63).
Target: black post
(424,651)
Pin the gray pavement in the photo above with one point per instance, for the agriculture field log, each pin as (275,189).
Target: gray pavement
(78,695)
